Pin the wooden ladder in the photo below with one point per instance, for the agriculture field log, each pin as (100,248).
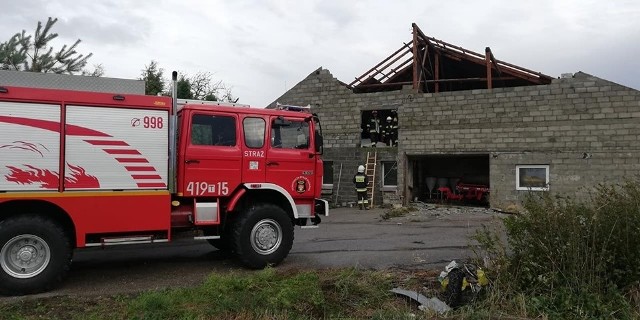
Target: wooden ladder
(370,171)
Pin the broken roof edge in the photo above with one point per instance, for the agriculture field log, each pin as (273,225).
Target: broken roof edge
(590,77)
(389,67)
(321,74)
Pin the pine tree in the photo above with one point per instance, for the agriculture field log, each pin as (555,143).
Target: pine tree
(153,78)
(184,88)
(32,53)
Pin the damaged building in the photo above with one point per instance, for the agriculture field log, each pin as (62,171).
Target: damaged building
(470,128)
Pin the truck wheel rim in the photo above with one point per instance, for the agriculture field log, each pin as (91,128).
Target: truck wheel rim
(25,256)
(266,236)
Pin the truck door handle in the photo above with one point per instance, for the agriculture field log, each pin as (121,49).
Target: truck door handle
(272,163)
(192,161)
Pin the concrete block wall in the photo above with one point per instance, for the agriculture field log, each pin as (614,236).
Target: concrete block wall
(350,159)
(585,128)
(557,124)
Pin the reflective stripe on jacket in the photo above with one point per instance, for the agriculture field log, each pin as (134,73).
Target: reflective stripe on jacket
(361,181)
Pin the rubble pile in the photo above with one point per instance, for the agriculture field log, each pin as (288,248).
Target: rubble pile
(436,210)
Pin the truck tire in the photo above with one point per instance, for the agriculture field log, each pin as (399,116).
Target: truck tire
(262,236)
(35,255)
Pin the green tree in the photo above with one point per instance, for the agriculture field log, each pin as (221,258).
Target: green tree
(153,78)
(184,88)
(24,52)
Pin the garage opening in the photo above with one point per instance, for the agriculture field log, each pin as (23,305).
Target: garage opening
(455,179)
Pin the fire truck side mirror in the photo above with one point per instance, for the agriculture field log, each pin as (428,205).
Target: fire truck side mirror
(318,142)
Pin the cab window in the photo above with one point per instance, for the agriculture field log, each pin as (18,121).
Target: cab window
(254,132)
(293,135)
(213,130)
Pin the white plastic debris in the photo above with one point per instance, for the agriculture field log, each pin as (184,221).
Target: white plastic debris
(434,304)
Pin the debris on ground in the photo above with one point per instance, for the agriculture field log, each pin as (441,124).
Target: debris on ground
(396,212)
(458,279)
(417,211)
(433,304)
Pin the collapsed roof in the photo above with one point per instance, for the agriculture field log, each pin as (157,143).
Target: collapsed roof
(432,65)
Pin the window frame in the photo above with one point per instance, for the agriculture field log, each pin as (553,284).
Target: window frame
(264,132)
(388,187)
(327,187)
(532,166)
(192,124)
(272,135)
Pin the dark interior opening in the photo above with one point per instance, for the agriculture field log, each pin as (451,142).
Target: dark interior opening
(455,179)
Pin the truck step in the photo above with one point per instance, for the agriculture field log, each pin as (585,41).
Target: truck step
(309,227)
(126,240)
(206,237)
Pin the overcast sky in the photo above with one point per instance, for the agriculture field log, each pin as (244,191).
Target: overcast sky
(263,48)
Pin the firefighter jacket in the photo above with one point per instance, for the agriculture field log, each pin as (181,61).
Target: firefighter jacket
(387,129)
(374,125)
(361,181)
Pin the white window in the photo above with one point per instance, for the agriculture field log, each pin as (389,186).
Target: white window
(532,177)
(389,175)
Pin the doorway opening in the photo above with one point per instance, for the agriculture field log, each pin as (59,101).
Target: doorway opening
(455,179)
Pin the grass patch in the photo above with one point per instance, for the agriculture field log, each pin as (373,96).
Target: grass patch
(267,294)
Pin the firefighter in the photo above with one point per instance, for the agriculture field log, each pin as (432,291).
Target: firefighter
(387,132)
(361,181)
(394,128)
(374,128)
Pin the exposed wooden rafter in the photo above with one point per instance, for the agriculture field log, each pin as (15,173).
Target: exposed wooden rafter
(428,64)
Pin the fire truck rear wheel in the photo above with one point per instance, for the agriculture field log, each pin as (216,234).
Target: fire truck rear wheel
(35,254)
(263,236)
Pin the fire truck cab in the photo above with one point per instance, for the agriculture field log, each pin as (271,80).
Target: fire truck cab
(88,169)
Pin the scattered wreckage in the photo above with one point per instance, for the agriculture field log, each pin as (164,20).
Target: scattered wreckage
(459,283)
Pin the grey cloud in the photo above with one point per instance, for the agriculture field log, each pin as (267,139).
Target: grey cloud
(342,14)
(16,16)
(90,29)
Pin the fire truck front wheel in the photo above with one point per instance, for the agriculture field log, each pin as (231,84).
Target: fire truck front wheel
(35,254)
(263,236)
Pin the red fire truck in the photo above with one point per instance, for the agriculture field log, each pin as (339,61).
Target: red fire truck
(87,169)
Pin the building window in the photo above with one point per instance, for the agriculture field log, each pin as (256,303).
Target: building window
(379,128)
(389,175)
(254,132)
(327,176)
(532,177)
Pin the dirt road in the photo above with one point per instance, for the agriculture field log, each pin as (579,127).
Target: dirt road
(428,238)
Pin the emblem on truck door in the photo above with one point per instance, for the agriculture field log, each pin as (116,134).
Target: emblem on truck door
(300,184)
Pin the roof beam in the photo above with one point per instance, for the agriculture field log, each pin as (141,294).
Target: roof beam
(415,57)
(487,58)
(377,85)
(368,74)
(436,75)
